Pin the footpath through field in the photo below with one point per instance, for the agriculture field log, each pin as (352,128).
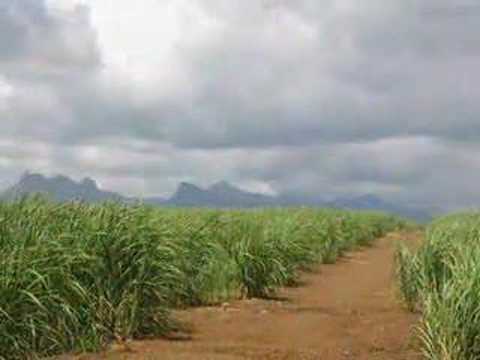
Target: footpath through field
(343,311)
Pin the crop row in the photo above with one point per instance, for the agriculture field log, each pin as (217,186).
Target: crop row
(74,277)
(441,280)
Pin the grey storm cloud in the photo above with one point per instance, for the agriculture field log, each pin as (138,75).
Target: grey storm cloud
(307,96)
(33,40)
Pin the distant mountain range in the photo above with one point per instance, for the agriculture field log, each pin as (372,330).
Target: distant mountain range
(220,195)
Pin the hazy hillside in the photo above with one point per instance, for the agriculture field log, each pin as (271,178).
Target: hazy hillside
(60,188)
(373,202)
(221,194)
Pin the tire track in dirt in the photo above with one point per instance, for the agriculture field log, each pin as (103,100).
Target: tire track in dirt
(343,311)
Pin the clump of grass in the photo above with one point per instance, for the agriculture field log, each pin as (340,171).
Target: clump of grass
(408,276)
(75,277)
(442,280)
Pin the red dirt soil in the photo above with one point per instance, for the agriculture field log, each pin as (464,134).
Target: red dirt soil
(343,311)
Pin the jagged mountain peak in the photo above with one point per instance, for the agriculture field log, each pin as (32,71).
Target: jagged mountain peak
(186,186)
(220,195)
(89,183)
(224,186)
(60,188)
(30,177)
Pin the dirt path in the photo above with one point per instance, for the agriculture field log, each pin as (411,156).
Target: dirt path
(343,311)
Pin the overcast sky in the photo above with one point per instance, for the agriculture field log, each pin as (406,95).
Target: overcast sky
(320,97)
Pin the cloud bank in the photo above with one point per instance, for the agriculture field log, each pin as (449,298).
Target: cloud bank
(312,97)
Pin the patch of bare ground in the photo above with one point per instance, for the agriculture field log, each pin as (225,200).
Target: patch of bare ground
(343,311)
